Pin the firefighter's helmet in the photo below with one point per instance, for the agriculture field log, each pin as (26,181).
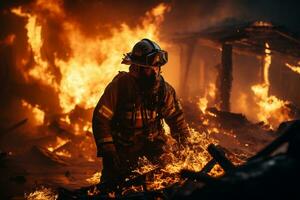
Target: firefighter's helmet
(146,53)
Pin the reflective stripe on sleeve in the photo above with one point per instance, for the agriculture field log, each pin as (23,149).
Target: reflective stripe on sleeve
(106,112)
(105,140)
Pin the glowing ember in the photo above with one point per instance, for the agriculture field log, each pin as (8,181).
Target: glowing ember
(94,179)
(93,191)
(38,114)
(272,110)
(294,68)
(42,193)
(209,96)
(63,153)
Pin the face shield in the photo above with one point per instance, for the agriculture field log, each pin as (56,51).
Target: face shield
(156,58)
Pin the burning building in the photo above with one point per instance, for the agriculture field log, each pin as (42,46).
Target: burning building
(57,57)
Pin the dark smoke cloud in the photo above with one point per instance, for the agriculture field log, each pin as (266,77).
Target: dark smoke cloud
(284,13)
(7,4)
(195,15)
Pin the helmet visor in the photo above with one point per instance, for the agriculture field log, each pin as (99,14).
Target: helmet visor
(157,58)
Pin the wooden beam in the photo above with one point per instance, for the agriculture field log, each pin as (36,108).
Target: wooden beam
(225,77)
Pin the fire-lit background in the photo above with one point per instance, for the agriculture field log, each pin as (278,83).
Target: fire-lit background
(57,56)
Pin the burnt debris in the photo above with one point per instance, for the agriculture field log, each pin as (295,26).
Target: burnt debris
(266,175)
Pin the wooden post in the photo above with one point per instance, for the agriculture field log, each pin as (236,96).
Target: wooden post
(225,77)
(187,67)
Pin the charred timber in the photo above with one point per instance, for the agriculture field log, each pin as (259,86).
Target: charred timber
(288,131)
(16,125)
(225,77)
(219,155)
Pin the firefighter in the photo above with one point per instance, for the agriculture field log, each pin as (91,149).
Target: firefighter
(127,121)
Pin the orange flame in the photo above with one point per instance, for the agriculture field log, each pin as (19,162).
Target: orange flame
(192,157)
(267,64)
(294,68)
(38,114)
(90,65)
(84,76)
(59,142)
(272,110)
(41,69)
(42,193)
(94,179)
(203,104)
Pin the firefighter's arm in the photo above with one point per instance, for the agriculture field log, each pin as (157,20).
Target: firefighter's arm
(101,122)
(174,117)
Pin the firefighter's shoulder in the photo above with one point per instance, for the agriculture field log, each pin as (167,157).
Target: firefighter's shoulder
(169,88)
(123,81)
(122,77)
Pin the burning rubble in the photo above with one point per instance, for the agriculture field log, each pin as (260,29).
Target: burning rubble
(74,73)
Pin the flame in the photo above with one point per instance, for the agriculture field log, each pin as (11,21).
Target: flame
(192,156)
(59,143)
(208,98)
(38,114)
(203,104)
(63,153)
(212,90)
(94,179)
(90,64)
(83,77)
(42,193)
(66,119)
(40,70)
(272,110)
(294,68)
(267,64)
(84,74)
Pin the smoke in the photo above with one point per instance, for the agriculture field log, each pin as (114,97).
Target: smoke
(192,16)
